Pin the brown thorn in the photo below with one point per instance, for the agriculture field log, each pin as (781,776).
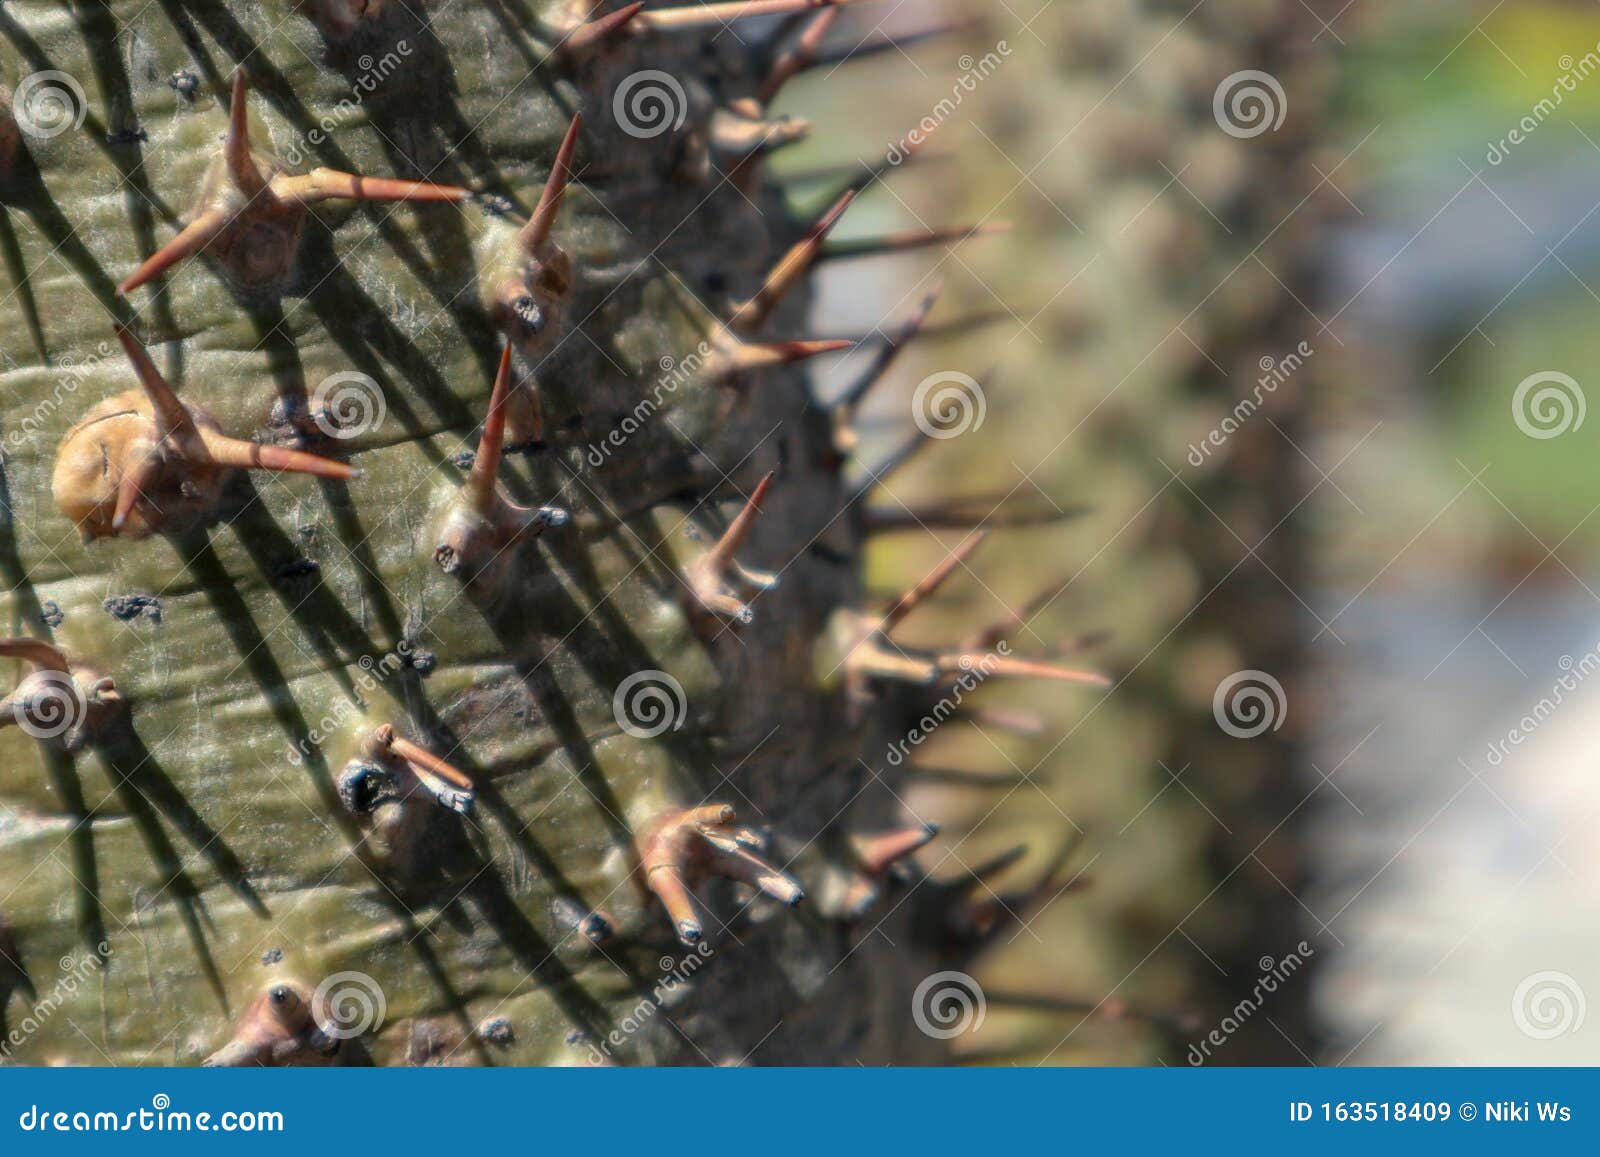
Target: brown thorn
(329,184)
(893,343)
(907,240)
(192,238)
(242,167)
(171,414)
(482,481)
(960,515)
(134,484)
(537,231)
(666,881)
(428,761)
(721,556)
(236,452)
(599,28)
(36,651)
(746,356)
(850,53)
(935,579)
(789,269)
(701,15)
(878,852)
(799,57)
(1014,666)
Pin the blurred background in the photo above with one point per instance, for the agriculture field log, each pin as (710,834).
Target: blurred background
(1278,419)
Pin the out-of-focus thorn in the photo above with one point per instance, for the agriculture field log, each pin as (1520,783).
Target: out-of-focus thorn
(906,240)
(847,53)
(1014,666)
(961,513)
(704,15)
(747,317)
(936,578)
(731,358)
(798,56)
(894,342)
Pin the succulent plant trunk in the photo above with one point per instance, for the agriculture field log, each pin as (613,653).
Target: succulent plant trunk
(419,686)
